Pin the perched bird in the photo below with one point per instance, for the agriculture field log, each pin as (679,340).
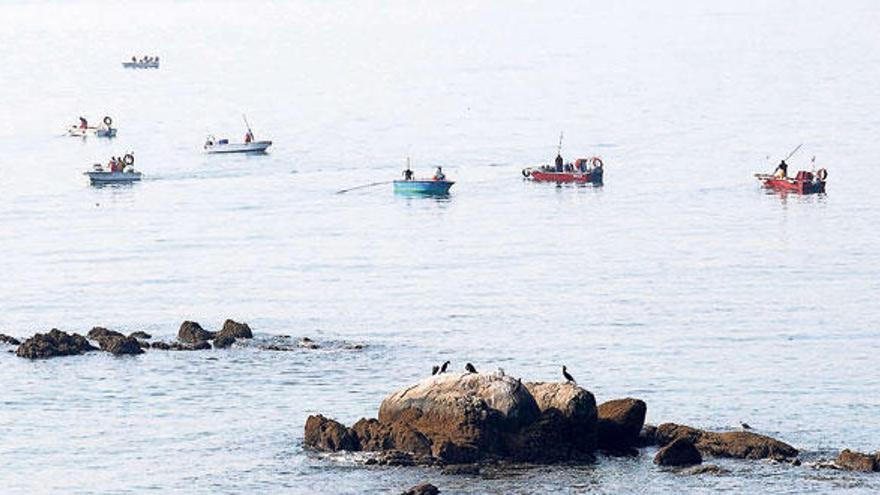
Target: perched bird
(434,370)
(568,376)
(443,368)
(745,426)
(470,368)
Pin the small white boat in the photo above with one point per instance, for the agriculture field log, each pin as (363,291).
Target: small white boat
(224,146)
(141,65)
(107,130)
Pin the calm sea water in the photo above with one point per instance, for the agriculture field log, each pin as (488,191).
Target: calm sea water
(679,282)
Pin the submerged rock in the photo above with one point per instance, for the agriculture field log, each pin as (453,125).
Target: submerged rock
(737,444)
(680,452)
(620,423)
(191,333)
(222,341)
(54,343)
(461,469)
(704,469)
(422,489)
(857,461)
(6,339)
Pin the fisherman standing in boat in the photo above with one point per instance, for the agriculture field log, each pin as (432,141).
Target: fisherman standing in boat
(439,175)
(408,173)
(248,137)
(781,171)
(559,162)
(83,123)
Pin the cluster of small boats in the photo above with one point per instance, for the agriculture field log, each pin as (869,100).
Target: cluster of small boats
(145,62)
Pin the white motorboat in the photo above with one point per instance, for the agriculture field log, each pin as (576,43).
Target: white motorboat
(127,174)
(213,145)
(141,65)
(107,130)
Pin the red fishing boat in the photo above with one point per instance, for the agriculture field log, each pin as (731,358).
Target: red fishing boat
(582,171)
(803,183)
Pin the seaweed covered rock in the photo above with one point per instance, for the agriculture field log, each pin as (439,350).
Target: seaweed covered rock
(680,452)
(619,423)
(737,444)
(54,343)
(192,333)
(238,330)
(7,339)
(119,345)
(857,461)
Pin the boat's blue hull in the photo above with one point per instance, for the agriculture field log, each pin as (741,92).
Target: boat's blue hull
(432,187)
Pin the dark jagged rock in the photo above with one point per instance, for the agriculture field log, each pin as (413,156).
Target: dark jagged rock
(307,343)
(143,344)
(198,346)
(857,461)
(191,333)
(140,335)
(163,346)
(680,452)
(6,339)
(98,333)
(737,444)
(328,435)
(238,330)
(177,346)
(422,489)
(647,437)
(375,436)
(222,341)
(396,458)
(54,343)
(619,423)
(120,344)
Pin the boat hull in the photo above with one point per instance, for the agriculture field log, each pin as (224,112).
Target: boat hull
(426,187)
(140,65)
(113,177)
(594,177)
(798,186)
(254,147)
(92,131)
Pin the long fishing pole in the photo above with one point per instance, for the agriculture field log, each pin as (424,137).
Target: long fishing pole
(243,116)
(364,186)
(559,148)
(793,152)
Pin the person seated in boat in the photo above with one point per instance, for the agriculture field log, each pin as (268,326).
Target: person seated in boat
(407,174)
(248,137)
(439,175)
(559,162)
(781,171)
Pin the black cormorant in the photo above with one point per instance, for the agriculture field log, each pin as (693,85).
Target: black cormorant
(470,368)
(567,376)
(443,368)
(434,370)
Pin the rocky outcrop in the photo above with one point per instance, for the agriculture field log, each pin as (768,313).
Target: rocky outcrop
(468,411)
(238,330)
(6,339)
(738,444)
(54,343)
(192,333)
(327,435)
(422,489)
(680,452)
(98,333)
(120,344)
(177,346)
(140,335)
(857,461)
(461,418)
(619,423)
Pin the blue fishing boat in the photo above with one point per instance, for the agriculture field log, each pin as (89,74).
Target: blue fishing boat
(423,186)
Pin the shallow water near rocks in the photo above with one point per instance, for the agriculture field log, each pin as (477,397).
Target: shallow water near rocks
(679,282)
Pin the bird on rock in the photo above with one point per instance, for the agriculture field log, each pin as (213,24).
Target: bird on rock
(470,368)
(434,370)
(745,426)
(443,368)
(567,375)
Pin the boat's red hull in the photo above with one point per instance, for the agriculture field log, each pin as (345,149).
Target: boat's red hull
(803,183)
(567,177)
